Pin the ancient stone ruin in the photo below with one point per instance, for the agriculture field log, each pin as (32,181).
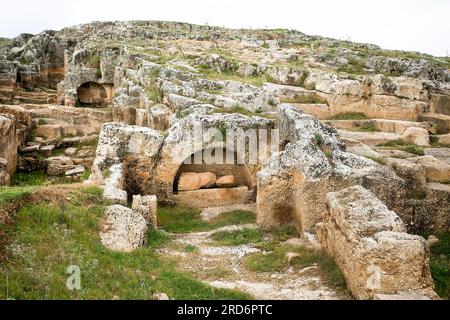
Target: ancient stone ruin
(359,162)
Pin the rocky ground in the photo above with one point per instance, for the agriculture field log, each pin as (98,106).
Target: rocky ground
(222,267)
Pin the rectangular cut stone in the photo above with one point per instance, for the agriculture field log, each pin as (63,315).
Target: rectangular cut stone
(212,197)
(372,250)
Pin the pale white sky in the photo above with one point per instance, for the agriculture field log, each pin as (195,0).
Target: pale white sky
(419,25)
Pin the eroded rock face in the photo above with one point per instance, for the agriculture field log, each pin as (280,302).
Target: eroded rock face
(9,143)
(117,141)
(157,175)
(294,184)
(370,246)
(123,230)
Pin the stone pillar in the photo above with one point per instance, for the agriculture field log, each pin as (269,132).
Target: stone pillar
(146,206)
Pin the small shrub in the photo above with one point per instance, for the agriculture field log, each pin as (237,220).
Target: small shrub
(318,139)
(434,139)
(414,149)
(328,153)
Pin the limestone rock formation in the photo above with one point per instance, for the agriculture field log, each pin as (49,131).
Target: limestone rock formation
(8,144)
(369,244)
(116,142)
(293,186)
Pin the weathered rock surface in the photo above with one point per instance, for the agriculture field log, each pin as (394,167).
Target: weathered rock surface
(436,170)
(117,141)
(293,187)
(147,207)
(226,181)
(123,230)
(190,181)
(369,244)
(4,175)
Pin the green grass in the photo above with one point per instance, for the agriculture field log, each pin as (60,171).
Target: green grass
(276,260)
(403,146)
(349,116)
(440,265)
(233,218)
(34,178)
(354,66)
(253,80)
(183,220)
(237,237)
(47,238)
(378,160)
(243,111)
(218,272)
(365,127)
(190,248)
(93,191)
(285,233)
(305,99)
(157,238)
(9,194)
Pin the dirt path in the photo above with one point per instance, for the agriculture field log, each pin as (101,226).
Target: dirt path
(222,267)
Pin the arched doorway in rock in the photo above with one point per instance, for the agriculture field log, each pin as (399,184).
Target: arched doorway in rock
(93,94)
(233,181)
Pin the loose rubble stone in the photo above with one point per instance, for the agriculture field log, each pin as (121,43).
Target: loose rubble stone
(74,172)
(123,229)
(194,181)
(226,182)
